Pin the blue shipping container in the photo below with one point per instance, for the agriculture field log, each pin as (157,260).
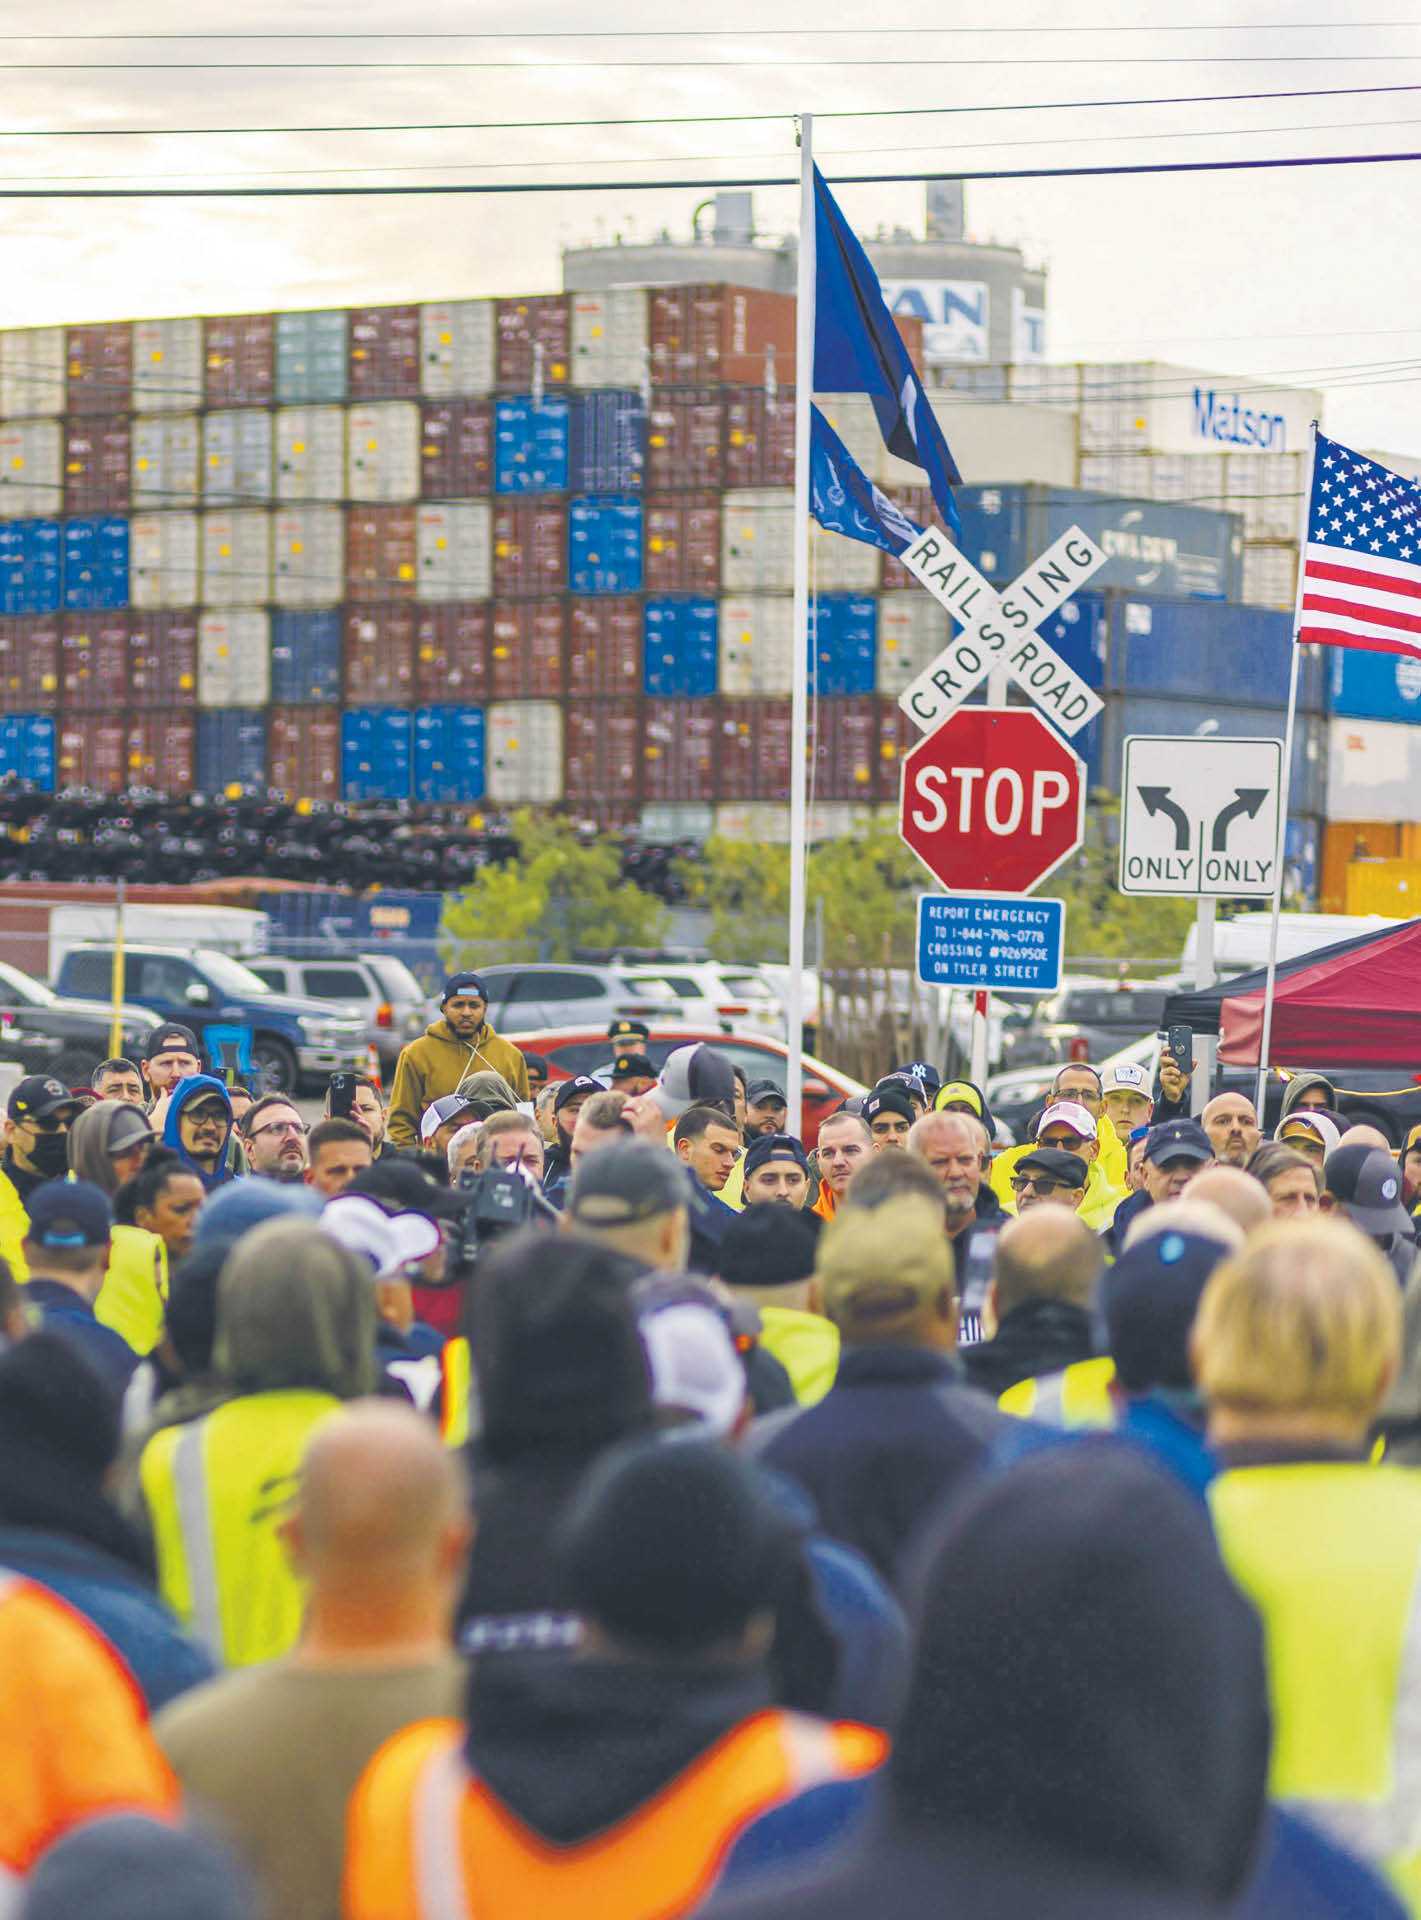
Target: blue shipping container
(843,641)
(1300,847)
(96,563)
(375,759)
(305,657)
(604,538)
(230,749)
(681,648)
(448,754)
(1155,546)
(530,446)
(29,566)
(608,442)
(311,357)
(1372,686)
(1127,714)
(27,749)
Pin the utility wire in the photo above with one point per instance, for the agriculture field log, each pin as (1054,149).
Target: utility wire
(380,67)
(752,33)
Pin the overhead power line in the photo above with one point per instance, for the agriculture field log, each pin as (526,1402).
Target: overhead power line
(380,67)
(751,33)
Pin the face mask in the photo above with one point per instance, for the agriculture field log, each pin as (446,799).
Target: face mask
(50,1155)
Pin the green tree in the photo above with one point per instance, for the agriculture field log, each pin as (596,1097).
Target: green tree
(561,893)
(745,887)
(1102,922)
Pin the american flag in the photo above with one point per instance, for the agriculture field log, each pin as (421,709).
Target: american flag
(1361,584)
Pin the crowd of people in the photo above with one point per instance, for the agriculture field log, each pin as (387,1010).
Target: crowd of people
(548,1495)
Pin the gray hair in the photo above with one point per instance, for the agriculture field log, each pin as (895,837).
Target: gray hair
(460,1140)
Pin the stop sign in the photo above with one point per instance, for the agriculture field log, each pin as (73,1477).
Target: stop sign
(993,801)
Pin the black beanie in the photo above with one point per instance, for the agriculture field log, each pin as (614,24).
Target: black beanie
(769,1247)
(52,1401)
(672,1545)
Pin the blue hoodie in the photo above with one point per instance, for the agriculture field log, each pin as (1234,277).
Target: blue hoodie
(187,1089)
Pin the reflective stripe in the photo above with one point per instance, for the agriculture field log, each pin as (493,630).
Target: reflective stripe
(809,1749)
(1051,1400)
(199,1548)
(439,1889)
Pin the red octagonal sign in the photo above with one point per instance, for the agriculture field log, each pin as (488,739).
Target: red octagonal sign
(993,801)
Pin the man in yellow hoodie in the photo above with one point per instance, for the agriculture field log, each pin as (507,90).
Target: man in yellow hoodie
(459,1043)
(1066,1127)
(1081,1085)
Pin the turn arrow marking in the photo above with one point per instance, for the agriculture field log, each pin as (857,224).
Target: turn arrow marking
(1248,801)
(1157,800)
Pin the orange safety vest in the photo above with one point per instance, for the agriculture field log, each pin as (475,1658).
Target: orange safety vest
(426,1840)
(75,1740)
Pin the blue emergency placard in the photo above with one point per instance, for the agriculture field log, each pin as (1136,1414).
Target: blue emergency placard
(991,940)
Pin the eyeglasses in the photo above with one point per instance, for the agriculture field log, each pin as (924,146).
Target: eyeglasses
(1034,1183)
(278,1126)
(217,1115)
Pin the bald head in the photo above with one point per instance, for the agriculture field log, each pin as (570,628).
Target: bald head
(379,1492)
(1234,1192)
(1046,1254)
(1361,1136)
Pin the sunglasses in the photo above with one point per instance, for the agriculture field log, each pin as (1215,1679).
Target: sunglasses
(1035,1183)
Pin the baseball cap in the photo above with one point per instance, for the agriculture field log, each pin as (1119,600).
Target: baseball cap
(774,1146)
(171,1038)
(629,1181)
(69,1213)
(887,1100)
(1313,1122)
(389,1241)
(1367,1181)
(1066,1113)
(39,1096)
(770,1246)
(1056,1164)
(128,1127)
(958,1093)
(762,1093)
(694,1366)
(1178,1140)
(1125,1077)
(463,983)
(399,1186)
(623,1031)
(923,1070)
(1151,1296)
(576,1089)
(632,1066)
(877,1268)
(440,1112)
(693,1076)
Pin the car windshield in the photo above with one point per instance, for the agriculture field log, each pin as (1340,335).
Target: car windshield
(230,975)
(396,980)
(23,988)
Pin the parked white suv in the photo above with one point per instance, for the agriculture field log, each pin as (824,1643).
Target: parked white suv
(380,988)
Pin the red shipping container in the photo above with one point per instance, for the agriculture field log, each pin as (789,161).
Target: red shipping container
(380,557)
(239,354)
(525,650)
(100,368)
(159,751)
(680,749)
(541,320)
(681,544)
(896,733)
(759,438)
(384,353)
(456,451)
(379,656)
(303,753)
(93,753)
(93,662)
(451,654)
(29,664)
(162,660)
(845,745)
(917,503)
(603,647)
(602,758)
(754,750)
(685,440)
(910,328)
(529,549)
(96,466)
(708,334)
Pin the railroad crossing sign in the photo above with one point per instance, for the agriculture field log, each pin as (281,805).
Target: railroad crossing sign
(993,801)
(1199,816)
(999,630)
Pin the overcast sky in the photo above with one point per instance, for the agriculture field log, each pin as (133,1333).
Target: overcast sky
(1307,275)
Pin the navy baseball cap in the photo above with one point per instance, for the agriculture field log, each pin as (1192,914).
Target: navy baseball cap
(463,983)
(576,1089)
(171,1038)
(68,1214)
(39,1096)
(774,1146)
(923,1070)
(1150,1298)
(1178,1140)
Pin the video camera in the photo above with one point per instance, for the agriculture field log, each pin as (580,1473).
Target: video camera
(499,1201)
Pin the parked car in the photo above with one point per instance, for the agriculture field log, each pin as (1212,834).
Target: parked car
(556,993)
(287,1043)
(573,1050)
(380,989)
(67,1038)
(1085,1020)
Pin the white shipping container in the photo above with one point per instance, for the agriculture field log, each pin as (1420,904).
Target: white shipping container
(1408,465)
(167,366)
(234,658)
(1270,577)
(310,453)
(31,486)
(1373,770)
(1150,407)
(1267,489)
(309,557)
(912,631)
(1197,479)
(1043,385)
(237,447)
(456,347)
(756,645)
(523,752)
(667,820)
(162,560)
(236,561)
(839,565)
(453,552)
(166,460)
(757,539)
(382,452)
(32,373)
(767,821)
(1001,445)
(610,337)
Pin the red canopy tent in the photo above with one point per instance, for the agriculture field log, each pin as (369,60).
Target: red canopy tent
(1358,1007)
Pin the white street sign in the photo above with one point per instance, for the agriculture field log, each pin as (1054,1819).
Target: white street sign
(1199,816)
(999,630)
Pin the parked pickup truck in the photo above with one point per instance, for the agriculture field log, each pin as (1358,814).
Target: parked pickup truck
(284,1042)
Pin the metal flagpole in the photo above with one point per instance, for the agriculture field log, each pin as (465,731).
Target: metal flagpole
(1265,1038)
(799,657)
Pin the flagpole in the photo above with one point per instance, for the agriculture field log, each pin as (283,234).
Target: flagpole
(799,655)
(1265,1038)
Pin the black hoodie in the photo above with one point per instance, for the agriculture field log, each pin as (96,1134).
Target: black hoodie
(1038,1337)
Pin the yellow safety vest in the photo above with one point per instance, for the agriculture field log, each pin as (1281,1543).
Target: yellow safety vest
(1330,1554)
(806,1346)
(134,1297)
(1108,1179)
(1077,1396)
(216,1490)
(14,1225)
(456,1379)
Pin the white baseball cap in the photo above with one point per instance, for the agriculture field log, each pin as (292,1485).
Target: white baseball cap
(1125,1077)
(694,1366)
(389,1241)
(1067,1113)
